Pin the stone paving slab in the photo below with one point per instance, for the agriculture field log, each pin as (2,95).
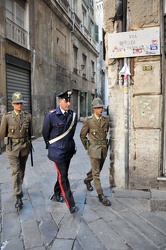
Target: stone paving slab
(27,213)
(133,237)
(107,235)
(156,220)
(61,244)
(13,244)
(87,239)
(145,228)
(43,224)
(31,234)
(49,230)
(11,226)
(132,193)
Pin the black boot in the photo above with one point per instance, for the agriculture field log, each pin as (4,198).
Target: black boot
(74,210)
(19,202)
(57,197)
(88,185)
(104,200)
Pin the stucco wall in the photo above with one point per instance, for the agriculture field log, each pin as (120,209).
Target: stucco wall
(145,101)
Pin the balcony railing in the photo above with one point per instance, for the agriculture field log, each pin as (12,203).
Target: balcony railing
(16,33)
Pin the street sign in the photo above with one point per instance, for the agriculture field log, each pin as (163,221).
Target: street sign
(134,43)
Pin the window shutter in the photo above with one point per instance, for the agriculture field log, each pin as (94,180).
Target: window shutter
(88,2)
(89,25)
(96,32)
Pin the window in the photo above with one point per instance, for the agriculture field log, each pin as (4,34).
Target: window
(75,6)
(75,52)
(91,3)
(84,59)
(17,22)
(15,12)
(84,17)
(83,66)
(91,27)
(92,67)
(92,71)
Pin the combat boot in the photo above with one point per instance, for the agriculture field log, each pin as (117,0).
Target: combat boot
(19,202)
(88,185)
(104,200)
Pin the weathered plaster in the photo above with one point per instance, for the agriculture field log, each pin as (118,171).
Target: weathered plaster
(145,101)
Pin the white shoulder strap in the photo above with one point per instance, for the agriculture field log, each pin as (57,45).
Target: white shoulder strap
(65,133)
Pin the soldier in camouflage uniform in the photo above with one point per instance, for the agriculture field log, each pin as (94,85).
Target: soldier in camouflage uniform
(16,130)
(94,138)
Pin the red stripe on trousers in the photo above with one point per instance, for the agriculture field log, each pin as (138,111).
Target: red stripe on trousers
(61,187)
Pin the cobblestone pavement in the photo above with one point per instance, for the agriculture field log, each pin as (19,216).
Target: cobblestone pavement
(43,224)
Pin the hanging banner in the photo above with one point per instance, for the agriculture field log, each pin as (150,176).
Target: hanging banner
(134,43)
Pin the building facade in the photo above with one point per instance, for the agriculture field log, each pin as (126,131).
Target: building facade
(136,71)
(101,76)
(47,47)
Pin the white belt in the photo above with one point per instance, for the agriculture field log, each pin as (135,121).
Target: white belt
(65,133)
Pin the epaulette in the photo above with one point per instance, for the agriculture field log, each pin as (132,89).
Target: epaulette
(89,117)
(25,112)
(105,117)
(52,111)
(7,113)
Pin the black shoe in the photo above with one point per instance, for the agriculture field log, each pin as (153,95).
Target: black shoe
(19,202)
(57,197)
(104,200)
(74,209)
(88,185)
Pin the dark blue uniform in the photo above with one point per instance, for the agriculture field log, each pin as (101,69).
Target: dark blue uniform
(60,152)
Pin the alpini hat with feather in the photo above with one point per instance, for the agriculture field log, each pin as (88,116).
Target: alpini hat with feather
(97,103)
(17,98)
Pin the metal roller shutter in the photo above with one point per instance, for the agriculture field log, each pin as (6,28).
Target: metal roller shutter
(18,79)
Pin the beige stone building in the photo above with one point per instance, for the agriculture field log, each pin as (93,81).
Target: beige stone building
(136,72)
(47,47)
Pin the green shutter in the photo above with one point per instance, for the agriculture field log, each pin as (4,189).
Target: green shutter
(88,2)
(96,32)
(89,24)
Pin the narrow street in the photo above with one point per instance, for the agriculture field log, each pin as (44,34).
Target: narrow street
(43,224)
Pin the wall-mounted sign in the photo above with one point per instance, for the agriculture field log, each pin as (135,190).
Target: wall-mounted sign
(147,68)
(134,43)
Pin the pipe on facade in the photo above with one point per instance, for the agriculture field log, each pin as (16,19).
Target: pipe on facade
(121,15)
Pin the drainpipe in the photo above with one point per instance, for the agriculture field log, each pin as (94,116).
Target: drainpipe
(121,15)
(126,124)
(126,101)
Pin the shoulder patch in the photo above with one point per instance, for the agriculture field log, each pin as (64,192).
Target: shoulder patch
(52,111)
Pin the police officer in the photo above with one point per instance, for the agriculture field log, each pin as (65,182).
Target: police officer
(94,138)
(58,131)
(16,130)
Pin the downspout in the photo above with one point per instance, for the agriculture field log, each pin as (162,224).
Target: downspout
(121,13)
(126,102)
